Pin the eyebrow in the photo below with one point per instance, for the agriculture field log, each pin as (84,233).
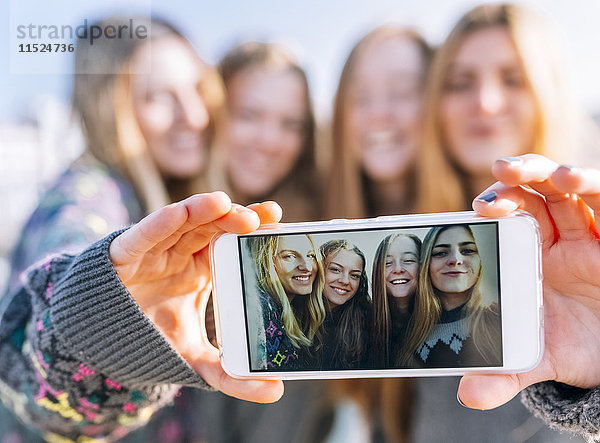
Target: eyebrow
(342,266)
(446,245)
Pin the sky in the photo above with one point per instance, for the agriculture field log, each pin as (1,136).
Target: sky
(319,33)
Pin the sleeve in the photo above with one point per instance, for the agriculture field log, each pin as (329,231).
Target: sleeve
(78,358)
(566,407)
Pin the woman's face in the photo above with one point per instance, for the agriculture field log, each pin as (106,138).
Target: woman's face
(385,106)
(266,128)
(401,268)
(296,264)
(488,110)
(455,264)
(170,111)
(342,276)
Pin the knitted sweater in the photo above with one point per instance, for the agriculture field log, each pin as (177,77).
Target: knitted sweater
(78,358)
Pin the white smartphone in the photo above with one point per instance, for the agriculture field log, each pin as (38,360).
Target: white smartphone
(414,295)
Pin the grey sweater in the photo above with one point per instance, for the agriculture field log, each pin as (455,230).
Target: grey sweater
(78,356)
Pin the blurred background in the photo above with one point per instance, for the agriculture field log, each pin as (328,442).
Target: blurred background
(37,139)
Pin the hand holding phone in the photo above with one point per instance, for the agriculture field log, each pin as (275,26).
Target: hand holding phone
(565,201)
(163,262)
(419,295)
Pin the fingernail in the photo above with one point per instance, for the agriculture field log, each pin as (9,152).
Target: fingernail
(571,168)
(460,401)
(490,197)
(513,161)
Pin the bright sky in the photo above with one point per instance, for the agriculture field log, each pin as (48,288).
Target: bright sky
(320,33)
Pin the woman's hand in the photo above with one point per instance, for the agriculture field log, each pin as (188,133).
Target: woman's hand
(163,261)
(566,203)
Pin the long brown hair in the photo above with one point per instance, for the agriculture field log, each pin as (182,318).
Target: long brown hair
(299,191)
(346,187)
(350,333)
(382,318)
(102,100)
(484,326)
(440,184)
(302,324)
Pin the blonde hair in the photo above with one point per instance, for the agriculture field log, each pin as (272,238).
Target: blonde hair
(103,101)
(382,319)
(346,187)
(299,191)
(302,323)
(440,186)
(484,324)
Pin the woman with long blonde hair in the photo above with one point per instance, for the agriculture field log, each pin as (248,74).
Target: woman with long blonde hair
(496,88)
(289,280)
(452,327)
(376,123)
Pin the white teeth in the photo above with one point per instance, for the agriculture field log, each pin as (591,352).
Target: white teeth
(340,291)
(400,281)
(302,278)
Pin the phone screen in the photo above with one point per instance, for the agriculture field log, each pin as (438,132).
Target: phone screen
(377,298)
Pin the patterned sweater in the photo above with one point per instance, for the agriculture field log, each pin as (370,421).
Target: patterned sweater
(78,359)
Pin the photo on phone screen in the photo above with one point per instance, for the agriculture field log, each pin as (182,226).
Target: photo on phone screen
(377,298)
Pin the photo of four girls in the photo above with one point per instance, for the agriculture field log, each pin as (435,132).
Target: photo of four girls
(374,299)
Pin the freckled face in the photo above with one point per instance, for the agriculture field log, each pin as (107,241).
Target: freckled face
(296,264)
(343,270)
(401,268)
(455,262)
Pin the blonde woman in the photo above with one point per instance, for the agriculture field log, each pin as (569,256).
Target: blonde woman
(395,282)
(452,327)
(118,313)
(289,276)
(376,124)
(496,88)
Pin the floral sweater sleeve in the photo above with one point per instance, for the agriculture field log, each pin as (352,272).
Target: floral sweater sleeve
(78,358)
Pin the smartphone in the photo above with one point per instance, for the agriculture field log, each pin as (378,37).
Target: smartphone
(395,296)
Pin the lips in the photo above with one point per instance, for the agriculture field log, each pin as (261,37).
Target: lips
(454,273)
(400,281)
(340,291)
(302,278)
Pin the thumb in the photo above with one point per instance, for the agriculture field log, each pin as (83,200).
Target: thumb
(488,391)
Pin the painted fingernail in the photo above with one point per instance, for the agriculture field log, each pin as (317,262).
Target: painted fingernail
(489,197)
(460,401)
(513,161)
(571,168)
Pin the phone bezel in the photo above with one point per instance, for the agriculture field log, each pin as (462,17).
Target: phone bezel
(522,317)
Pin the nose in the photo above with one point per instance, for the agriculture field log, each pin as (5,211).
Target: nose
(192,111)
(344,278)
(269,137)
(490,96)
(398,268)
(379,110)
(454,257)
(305,265)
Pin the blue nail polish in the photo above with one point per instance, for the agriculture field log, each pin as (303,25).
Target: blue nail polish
(490,197)
(460,401)
(513,161)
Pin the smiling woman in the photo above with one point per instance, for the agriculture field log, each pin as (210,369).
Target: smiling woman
(452,325)
(289,285)
(268,148)
(347,324)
